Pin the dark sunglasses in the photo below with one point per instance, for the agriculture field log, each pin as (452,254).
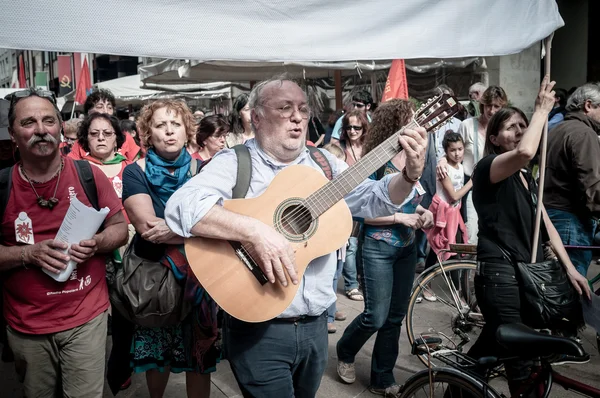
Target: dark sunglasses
(18,95)
(358,105)
(357,128)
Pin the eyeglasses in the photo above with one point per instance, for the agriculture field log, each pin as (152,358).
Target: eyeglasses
(357,128)
(106,134)
(358,105)
(18,95)
(287,111)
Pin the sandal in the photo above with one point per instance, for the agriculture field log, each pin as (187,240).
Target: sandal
(355,295)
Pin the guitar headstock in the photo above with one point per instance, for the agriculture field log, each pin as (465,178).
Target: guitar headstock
(436,112)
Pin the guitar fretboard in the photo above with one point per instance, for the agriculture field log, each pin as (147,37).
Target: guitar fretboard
(334,191)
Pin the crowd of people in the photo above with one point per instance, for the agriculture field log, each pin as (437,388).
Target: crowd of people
(164,177)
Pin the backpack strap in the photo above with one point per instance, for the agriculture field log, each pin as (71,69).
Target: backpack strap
(244,171)
(321,160)
(5,187)
(86,178)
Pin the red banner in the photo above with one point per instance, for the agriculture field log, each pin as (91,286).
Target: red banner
(396,85)
(84,84)
(65,75)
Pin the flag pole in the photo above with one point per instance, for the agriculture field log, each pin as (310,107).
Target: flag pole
(73,109)
(544,145)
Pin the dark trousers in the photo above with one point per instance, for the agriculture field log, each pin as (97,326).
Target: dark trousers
(388,276)
(498,296)
(278,358)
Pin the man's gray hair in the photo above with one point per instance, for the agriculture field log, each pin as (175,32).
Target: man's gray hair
(478,87)
(255,99)
(587,92)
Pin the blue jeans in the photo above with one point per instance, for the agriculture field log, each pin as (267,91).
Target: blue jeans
(277,358)
(576,232)
(333,307)
(388,277)
(349,270)
(421,242)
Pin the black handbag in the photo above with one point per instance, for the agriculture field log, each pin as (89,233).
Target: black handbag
(548,300)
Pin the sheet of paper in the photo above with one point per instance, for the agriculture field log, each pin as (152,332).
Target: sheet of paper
(591,312)
(80,223)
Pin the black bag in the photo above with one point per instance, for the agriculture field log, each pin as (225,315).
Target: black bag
(548,300)
(144,291)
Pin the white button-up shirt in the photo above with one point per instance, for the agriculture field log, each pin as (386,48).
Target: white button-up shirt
(215,182)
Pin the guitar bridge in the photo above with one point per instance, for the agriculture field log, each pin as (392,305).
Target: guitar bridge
(249,262)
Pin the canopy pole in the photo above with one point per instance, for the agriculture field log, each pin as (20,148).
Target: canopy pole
(542,168)
(337,77)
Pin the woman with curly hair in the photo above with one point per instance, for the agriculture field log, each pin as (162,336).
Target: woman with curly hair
(241,126)
(165,128)
(100,136)
(389,260)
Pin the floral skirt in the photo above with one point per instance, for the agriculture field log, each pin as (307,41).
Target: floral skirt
(173,347)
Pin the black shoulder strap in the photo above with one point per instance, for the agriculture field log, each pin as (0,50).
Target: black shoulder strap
(5,186)
(244,171)
(321,160)
(380,172)
(86,177)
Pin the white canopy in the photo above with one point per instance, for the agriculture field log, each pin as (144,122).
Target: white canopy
(280,30)
(127,91)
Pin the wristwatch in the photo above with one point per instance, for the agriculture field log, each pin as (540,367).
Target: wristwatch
(407,178)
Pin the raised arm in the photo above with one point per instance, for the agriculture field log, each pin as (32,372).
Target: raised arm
(508,163)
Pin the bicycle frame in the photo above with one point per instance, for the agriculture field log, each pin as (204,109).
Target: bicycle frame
(545,374)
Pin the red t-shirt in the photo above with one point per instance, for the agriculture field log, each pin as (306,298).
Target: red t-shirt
(34,303)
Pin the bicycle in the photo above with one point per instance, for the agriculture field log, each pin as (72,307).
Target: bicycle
(455,314)
(464,376)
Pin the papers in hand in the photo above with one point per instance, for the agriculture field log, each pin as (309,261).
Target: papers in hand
(80,223)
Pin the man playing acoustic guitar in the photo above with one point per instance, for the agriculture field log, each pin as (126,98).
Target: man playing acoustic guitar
(285,356)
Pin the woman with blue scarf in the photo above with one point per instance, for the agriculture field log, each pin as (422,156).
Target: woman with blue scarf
(165,129)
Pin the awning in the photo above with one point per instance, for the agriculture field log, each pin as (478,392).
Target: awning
(280,31)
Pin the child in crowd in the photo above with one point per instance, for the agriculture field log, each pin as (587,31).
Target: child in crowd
(332,313)
(448,224)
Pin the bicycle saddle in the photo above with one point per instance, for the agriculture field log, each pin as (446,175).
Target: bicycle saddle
(526,343)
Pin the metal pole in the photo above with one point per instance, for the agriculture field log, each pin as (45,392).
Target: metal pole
(544,145)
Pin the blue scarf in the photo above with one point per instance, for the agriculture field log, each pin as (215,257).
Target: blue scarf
(163,183)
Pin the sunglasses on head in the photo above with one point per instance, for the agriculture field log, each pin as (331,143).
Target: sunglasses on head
(18,95)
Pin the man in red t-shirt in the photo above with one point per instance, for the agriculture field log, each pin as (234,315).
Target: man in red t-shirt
(57,330)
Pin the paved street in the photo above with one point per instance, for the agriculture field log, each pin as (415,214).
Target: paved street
(224,383)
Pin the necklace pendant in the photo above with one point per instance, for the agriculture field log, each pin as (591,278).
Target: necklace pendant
(43,203)
(52,202)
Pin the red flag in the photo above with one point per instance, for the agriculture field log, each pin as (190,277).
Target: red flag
(84,84)
(22,79)
(396,86)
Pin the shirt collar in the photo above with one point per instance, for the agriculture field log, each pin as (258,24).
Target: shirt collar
(251,143)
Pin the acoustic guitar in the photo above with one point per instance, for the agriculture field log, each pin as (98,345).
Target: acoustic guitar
(308,210)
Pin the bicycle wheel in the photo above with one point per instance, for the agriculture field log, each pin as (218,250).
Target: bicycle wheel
(458,326)
(446,383)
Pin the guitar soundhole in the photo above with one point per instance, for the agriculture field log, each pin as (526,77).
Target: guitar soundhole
(296,220)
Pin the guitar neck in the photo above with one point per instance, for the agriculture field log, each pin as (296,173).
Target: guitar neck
(334,191)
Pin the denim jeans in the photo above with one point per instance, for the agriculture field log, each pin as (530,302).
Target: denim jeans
(421,242)
(388,277)
(277,358)
(333,307)
(349,270)
(498,296)
(576,232)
